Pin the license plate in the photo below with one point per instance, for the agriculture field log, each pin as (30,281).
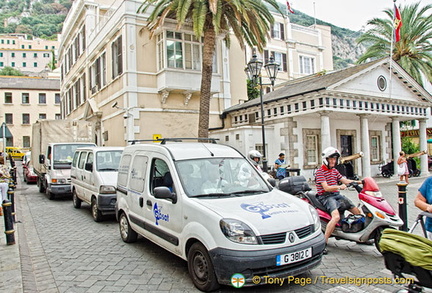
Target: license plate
(293,257)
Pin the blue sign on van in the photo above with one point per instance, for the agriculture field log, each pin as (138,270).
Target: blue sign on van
(159,216)
(267,210)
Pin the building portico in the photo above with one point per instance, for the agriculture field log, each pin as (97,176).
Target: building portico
(357,109)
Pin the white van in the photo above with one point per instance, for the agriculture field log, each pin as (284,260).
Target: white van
(207,204)
(94,179)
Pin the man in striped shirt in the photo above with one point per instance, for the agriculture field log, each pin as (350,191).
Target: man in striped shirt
(327,179)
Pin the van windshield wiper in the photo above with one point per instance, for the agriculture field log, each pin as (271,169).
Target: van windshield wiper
(107,169)
(214,194)
(236,193)
(248,192)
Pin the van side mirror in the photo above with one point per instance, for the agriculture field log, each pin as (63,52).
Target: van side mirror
(41,159)
(88,167)
(163,192)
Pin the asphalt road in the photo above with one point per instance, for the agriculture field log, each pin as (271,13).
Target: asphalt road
(61,249)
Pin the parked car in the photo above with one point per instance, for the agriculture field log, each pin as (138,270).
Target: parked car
(94,179)
(26,158)
(207,204)
(28,173)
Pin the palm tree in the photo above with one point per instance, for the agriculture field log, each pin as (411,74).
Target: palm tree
(249,20)
(414,50)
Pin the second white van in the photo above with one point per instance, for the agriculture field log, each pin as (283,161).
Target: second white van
(94,179)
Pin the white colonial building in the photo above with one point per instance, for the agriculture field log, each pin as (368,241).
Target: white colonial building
(136,87)
(358,109)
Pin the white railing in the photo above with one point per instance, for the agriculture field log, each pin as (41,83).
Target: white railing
(301,28)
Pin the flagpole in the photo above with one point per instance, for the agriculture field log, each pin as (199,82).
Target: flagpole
(314,15)
(391,48)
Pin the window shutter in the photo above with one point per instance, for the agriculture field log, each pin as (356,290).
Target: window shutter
(266,56)
(282,31)
(284,61)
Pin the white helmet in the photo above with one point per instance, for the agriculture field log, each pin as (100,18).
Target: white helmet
(254,154)
(330,152)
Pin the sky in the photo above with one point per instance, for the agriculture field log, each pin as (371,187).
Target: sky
(348,13)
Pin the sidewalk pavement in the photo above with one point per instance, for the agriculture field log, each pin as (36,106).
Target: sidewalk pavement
(10,261)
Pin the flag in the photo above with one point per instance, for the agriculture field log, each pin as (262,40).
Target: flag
(289,7)
(397,23)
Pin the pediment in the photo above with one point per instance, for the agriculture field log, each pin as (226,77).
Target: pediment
(376,82)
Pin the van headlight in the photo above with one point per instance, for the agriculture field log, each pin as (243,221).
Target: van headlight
(107,189)
(237,231)
(58,181)
(315,218)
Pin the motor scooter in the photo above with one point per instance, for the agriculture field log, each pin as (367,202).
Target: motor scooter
(378,213)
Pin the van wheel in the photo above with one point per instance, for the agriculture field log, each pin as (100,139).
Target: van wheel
(127,234)
(96,214)
(51,195)
(75,200)
(201,268)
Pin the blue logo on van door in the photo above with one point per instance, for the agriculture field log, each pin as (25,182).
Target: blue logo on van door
(159,216)
(265,209)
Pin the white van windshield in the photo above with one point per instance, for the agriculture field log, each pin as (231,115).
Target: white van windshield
(63,154)
(220,177)
(108,160)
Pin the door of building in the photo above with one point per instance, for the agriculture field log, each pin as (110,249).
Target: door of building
(346,145)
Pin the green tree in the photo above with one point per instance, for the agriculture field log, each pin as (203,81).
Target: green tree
(9,71)
(414,50)
(40,30)
(409,147)
(249,20)
(252,91)
(24,29)
(52,64)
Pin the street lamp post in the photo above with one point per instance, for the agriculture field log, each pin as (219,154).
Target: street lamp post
(253,71)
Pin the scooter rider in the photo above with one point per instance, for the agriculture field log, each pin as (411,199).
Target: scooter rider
(255,156)
(326,179)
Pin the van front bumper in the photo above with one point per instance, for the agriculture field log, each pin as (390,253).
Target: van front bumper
(106,203)
(262,263)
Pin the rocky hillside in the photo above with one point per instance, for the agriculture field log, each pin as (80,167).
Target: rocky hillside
(42,19)
(345,49)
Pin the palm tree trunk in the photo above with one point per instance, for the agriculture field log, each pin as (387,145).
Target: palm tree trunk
(207,73)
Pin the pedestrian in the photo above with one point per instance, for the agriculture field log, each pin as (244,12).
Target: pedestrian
(403,171)
(4,185)
(423,201)
(280,166)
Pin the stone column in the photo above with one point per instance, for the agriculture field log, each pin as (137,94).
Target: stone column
(424,168)
(396,140)
(325,130)
(365,146)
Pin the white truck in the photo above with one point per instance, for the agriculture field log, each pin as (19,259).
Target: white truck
(53,145)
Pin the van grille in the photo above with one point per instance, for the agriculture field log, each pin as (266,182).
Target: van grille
(273,238)
(305,231)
